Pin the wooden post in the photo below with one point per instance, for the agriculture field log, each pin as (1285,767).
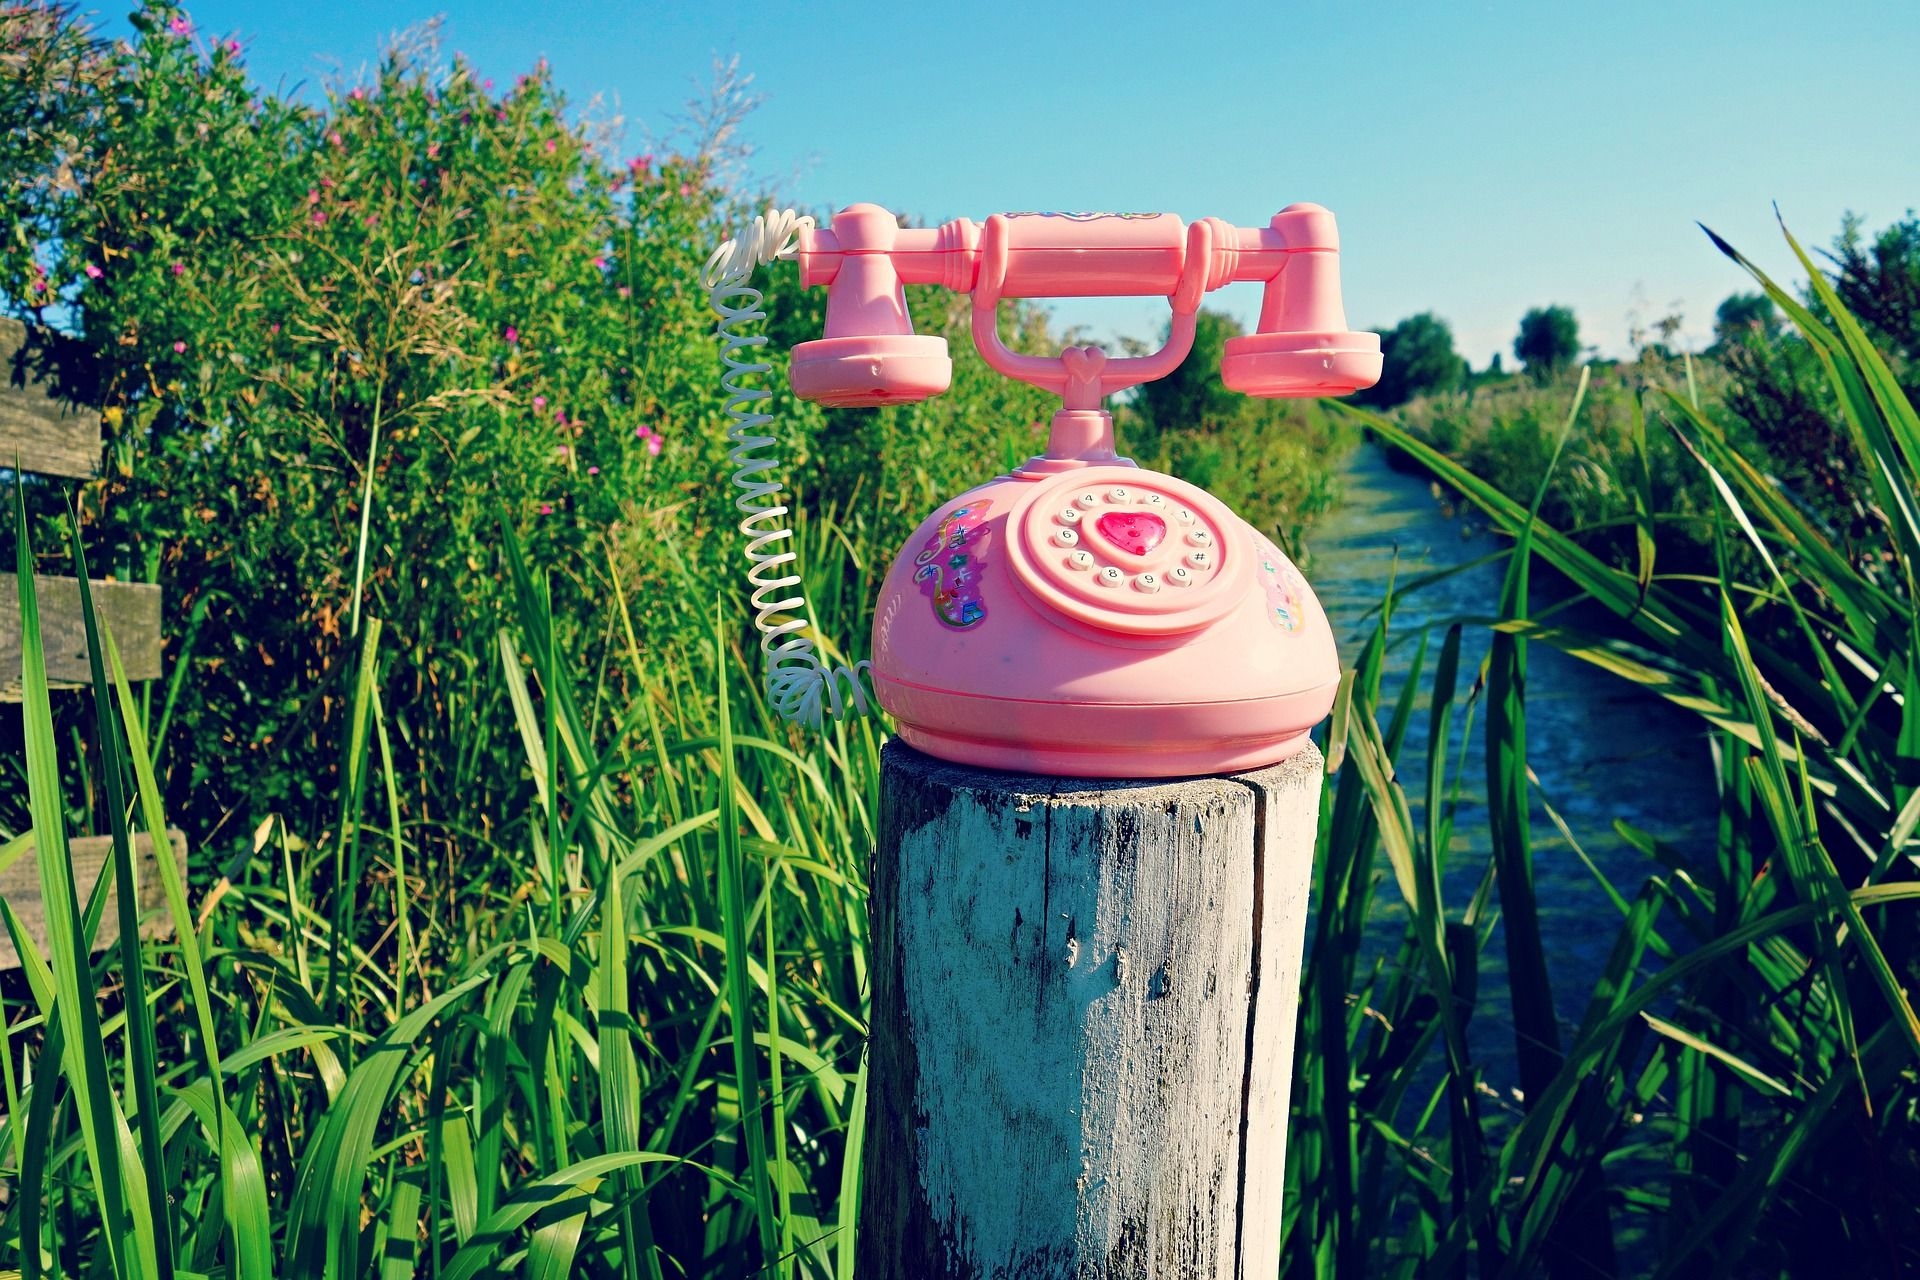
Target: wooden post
(1082,1031)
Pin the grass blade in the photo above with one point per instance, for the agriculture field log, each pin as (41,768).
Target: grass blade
(128,1245)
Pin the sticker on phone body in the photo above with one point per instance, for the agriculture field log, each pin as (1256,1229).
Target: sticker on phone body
(1286,589)
(950,569)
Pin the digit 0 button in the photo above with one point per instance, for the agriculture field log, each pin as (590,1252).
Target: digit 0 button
(1180,576)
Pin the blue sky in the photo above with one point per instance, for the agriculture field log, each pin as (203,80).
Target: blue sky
(1482,157)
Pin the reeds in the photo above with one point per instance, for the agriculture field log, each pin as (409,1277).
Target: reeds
(623,1035)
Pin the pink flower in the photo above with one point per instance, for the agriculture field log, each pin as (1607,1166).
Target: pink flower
(563,450)
(653,446)
(433,151)
(274,327)
(180,27)
(625,292)
(179,268)
(686,189)
(93,272)
(371,219)
(357,94)
(600,263)
(319,217)
(639,163)
(546,508)
(593,471)
(552,146)
(327,183)
(334,138)
(501,115)
(560,416)
(179,348)
(233,47)
(539,402)
(487,83)
(642,431)
(511,334)
(313,195)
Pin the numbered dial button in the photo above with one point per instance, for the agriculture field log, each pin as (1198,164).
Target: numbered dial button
(1130,547)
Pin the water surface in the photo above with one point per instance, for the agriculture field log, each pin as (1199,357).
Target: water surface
(1602,749)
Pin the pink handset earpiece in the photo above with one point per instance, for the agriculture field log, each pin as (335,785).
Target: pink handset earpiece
(1079,615)
(870,355)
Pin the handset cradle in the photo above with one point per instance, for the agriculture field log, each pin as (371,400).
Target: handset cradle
(1081,615)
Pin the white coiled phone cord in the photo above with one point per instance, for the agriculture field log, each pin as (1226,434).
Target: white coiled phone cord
(802,688)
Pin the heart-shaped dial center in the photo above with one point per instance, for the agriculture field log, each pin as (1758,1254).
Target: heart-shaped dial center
(1134,532)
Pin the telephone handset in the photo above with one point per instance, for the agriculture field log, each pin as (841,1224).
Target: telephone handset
(1079,615)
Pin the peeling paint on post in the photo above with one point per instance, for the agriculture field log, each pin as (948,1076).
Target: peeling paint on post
(1082,1029)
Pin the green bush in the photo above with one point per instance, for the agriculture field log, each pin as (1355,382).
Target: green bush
(342,346)
(1621,462)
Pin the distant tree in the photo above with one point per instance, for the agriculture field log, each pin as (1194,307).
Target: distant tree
(1192,396)
(1878,280)
(1743,315)
(1494,368)
(1417,357)
(1549,339)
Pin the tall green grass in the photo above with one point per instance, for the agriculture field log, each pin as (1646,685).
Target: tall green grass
(622,1034)
(630,1045)
(1738,1095)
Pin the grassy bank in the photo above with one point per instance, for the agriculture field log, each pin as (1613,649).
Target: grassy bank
(622,1036)
(519,936)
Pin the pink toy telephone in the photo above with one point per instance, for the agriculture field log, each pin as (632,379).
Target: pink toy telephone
(1080,615)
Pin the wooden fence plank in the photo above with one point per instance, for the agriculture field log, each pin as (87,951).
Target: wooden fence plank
(130,610)
(20,886)
(47,393)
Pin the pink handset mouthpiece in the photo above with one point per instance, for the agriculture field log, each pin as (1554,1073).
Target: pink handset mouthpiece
(1081,615)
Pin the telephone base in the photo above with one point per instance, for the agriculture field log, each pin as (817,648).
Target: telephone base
(1105,740)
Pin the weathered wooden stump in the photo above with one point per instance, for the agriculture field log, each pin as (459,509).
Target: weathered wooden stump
(1082,1031)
